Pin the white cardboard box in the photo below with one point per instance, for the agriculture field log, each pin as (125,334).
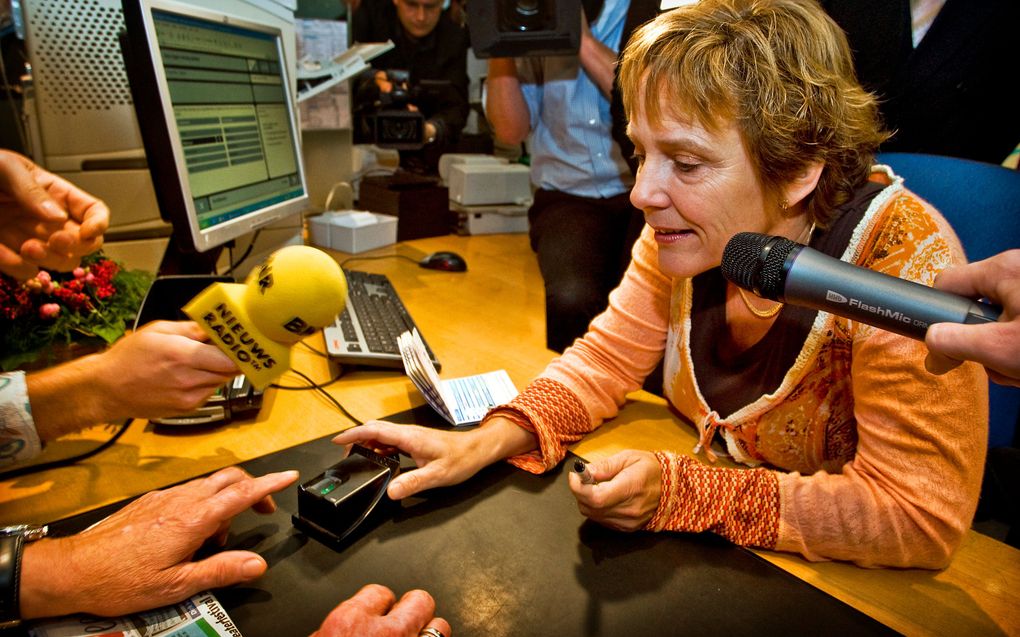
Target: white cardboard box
(352,231)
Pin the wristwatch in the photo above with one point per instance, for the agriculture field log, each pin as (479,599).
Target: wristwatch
(12,545)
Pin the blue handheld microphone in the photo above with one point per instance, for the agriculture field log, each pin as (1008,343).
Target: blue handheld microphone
(778,269)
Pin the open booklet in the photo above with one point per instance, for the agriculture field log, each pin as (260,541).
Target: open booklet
(461,401)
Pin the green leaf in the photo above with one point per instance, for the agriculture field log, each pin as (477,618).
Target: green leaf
(14,360)
(108,333)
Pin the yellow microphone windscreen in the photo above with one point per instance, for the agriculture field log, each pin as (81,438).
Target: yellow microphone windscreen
(298,290)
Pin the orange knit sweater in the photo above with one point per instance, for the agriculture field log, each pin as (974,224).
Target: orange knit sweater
(861,454)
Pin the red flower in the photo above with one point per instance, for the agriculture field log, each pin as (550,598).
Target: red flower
(49,310)
(104,271)
(15,300)
(105,290)
(71,295)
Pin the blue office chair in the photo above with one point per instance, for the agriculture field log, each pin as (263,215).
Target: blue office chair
(982,203)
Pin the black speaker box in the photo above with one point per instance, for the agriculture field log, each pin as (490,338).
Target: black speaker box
(421,205)
(520,28)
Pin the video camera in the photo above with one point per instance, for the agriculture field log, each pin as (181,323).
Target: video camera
(386,110)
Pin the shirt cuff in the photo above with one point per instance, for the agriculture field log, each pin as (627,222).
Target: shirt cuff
(18,438)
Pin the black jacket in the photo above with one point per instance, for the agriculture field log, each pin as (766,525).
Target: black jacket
(950,95)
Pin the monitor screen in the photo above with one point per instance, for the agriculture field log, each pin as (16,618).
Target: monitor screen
(215,108)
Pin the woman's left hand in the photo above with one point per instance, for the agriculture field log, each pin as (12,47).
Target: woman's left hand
(625,495)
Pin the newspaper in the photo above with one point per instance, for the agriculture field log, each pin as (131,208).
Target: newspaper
(200,616)
(461,401)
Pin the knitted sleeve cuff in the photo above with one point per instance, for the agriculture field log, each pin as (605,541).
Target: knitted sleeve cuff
(741,505)
(550,411)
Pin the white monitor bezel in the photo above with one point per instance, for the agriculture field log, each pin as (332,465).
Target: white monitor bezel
(210,238)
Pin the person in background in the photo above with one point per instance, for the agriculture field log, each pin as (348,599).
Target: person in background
(994,345)
(746,116)
(936,68)
(432,49)
(163,368)
(581,224)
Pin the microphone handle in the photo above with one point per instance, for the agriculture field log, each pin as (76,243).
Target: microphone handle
(816,280)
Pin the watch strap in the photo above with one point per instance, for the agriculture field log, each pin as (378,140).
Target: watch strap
(11,548)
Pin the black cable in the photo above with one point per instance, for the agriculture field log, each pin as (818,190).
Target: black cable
(251,246)
(53,464)
(319,388)
(384,256)
(322,354)
(305,387)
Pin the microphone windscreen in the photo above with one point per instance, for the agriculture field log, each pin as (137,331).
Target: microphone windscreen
(773,272)
(740,258)
(756,262)
(297,290)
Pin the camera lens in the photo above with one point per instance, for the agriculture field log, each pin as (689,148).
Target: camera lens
(527,7)
(398,129)
(523,15)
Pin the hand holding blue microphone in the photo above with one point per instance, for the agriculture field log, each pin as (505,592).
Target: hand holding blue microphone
(954,327)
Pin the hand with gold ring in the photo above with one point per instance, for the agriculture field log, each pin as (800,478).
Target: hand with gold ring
(374,611)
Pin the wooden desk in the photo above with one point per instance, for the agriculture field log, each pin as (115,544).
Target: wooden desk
(497,308)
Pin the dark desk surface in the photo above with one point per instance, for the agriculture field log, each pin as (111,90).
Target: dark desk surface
(507,553)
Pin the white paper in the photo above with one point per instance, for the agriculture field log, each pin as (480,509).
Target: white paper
(461,401)
(353,218)
(323,40)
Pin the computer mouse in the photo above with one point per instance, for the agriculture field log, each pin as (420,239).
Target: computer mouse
(448,261)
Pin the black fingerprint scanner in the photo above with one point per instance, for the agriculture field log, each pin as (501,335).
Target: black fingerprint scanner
(334,503)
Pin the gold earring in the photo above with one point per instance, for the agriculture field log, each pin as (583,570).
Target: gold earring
(784,204)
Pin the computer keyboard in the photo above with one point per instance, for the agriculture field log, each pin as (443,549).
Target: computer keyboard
(367,330)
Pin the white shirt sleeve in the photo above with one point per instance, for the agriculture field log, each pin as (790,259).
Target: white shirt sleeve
(18,437)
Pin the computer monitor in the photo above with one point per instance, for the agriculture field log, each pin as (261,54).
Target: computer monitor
(217,118)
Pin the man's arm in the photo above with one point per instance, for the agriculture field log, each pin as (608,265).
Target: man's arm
(597,60)
(142,556)
(161,369)
(505,107)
